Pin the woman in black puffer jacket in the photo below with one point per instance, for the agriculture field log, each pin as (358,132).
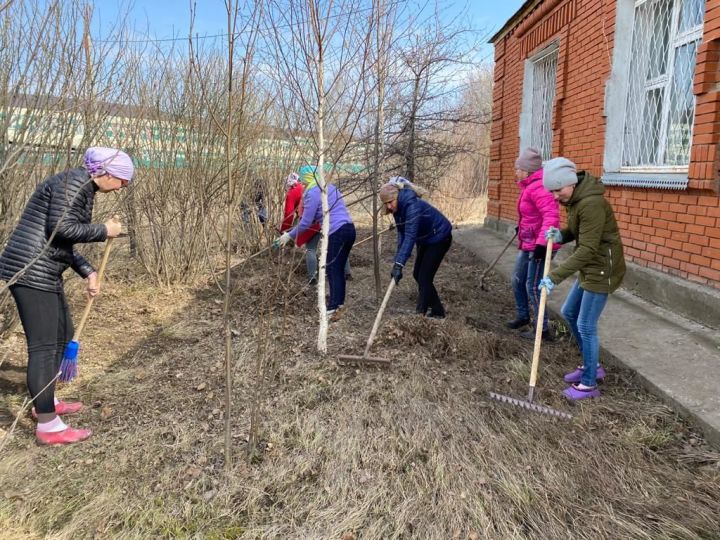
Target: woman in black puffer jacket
(39,250)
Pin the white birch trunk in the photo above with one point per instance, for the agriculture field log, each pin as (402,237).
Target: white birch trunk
(325,228)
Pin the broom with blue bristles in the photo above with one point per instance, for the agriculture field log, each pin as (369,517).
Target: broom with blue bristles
(69,365)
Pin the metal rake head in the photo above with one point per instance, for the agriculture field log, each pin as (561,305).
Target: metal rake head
(345,359)
(530,406)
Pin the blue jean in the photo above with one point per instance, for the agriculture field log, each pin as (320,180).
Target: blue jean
(311,258)
(339,246)
(582,310)
(526,277)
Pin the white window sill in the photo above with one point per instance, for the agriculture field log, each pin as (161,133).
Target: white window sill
(642,178)
(653,170)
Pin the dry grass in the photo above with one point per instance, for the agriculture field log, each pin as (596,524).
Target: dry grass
(413,451)
(461,209)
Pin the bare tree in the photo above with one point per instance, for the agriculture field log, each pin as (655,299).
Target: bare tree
(425,96)
(384,16)
(463,188)
(242,31)
(319,67)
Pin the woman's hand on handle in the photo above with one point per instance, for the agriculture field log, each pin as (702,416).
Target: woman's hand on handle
(93,285)
(114,227)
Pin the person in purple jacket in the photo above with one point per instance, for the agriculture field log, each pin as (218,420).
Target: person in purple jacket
(342,233)
(418,223)
(537,211)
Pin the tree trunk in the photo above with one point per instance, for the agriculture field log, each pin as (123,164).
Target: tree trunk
(228,247)
(325,228)
(379,146)
(410,152)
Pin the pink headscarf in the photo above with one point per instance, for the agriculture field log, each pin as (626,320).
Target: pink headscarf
(99,161)
(291,180)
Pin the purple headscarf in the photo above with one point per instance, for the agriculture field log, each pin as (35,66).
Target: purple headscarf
(99,161)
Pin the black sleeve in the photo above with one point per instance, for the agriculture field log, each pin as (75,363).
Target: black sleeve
(67,200)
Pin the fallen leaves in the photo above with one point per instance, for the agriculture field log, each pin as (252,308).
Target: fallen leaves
(106,412)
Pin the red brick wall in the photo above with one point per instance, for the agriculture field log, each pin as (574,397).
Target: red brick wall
(674,232)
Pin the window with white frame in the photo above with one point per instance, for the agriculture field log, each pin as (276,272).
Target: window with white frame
(660,103)
(538,100)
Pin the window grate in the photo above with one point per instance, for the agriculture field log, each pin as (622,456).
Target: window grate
(660,103)
(543,97)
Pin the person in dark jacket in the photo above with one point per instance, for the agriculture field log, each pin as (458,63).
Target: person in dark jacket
(58,216)
(418,223)
(598,259)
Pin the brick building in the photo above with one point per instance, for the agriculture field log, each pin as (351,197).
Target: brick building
(629,90)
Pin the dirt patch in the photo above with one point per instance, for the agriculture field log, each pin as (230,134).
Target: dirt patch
(416,450)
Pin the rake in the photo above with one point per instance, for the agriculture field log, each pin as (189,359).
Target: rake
(69,364)
(390,228)
(366,358)
(492,264)
(528,404)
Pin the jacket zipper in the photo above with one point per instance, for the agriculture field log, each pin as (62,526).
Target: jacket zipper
(611,267)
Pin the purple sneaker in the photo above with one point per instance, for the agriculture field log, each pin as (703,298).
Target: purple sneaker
(573,393)
(575,376)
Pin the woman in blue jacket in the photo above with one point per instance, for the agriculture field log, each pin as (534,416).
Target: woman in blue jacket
(418,223)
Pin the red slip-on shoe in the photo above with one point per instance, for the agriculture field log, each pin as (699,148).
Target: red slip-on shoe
(66,436)
(63,407)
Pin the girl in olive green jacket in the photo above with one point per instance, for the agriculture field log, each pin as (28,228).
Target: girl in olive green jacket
(598,260)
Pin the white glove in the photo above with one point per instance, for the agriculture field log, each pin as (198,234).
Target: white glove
(284,239)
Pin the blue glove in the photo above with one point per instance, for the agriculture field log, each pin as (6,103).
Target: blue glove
(554,234)
(547,283)
(396,272)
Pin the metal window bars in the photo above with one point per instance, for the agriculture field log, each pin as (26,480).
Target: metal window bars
(660,101)
(543,97)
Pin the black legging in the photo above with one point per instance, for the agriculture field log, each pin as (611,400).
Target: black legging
(48,328)
(427,262)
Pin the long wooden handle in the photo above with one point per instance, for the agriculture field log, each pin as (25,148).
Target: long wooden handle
(88,307)
(492,264)
(539,323)
(390,228)
(376,325)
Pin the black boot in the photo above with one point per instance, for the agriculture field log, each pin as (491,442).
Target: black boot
(547,335)
(517,323)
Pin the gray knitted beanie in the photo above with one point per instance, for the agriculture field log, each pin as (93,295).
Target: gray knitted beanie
(558,173)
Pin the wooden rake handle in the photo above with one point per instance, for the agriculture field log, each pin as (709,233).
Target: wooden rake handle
(390,228)
(378,317)
(88,307)
(539,324)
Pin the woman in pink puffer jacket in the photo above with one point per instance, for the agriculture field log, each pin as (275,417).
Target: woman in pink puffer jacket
(537,212)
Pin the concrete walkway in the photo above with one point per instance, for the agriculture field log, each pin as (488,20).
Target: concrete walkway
(677,359)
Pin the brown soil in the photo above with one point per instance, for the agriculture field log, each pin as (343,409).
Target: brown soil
(416,450)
